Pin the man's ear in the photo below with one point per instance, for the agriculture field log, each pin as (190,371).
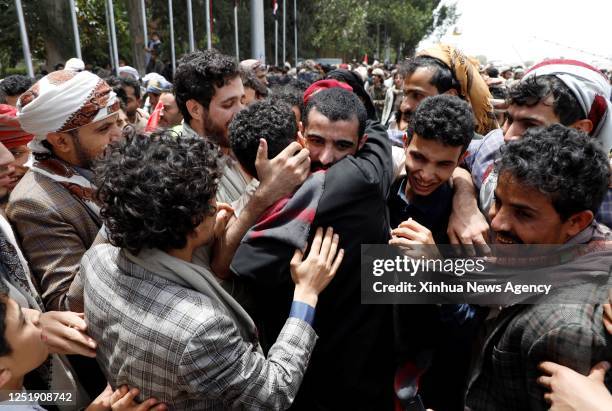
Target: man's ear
(462,157)
(585,125)
(578,222)
(196,110)
(451,92)
(61,142)
(362,141)
(5,376)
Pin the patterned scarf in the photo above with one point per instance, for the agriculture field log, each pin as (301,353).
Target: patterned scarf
(473,87)
(67,176)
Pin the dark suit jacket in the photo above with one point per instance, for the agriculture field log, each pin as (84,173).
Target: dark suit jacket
(352,365)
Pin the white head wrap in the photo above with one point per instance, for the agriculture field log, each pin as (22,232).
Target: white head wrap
(591,89)
(129,71)
(74,64)
(61,101)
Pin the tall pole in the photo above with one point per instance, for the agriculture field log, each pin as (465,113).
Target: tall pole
(284,31)
(258,45)
(295,30)
(111,17)
(75,29)
(24,39)
(275,41)
(171,18)
(208,31)
(190,26)
(236,29)
(144,22)
(110,37)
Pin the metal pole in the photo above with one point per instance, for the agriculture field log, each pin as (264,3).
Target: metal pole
(144,22)
(284,31)
(236,29)
(275,41)
(171,18)
(24,39)
(110,39)
(190,26)
(208,33)
(295,30)
(111,15)
(258,45)
(75,29)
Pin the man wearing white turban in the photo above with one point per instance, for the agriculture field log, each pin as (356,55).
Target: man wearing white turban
(72,116)
(568,92)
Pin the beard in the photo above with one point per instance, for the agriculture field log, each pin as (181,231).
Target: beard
(316,166)
(215,131)
(85,157)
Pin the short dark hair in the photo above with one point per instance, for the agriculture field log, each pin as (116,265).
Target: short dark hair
(444,118)
(5,348)
(197,75)
(272,121)
(288,94)
(15,85)
(442,79)
(337,104)
(561,162)
(492,72)
(530,91)
(155,190)
(130,82)
(116,84)
(251,81)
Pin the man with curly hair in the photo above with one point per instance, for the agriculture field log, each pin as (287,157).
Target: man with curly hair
(441,130)
(420,204)
(14,86)
(551,183)
(185,340)
(209,93)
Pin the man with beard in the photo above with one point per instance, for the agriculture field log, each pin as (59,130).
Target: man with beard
(352,366)
(16,141)
(551,183)
(73,118)
(209,93)
(137,117)
(169,115)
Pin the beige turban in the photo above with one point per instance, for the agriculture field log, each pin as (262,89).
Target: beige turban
(473,87)
(64,100)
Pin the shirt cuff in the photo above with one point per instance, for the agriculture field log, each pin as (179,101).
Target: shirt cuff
(302,311)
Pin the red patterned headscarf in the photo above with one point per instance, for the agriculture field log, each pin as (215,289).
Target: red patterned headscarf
(11,133)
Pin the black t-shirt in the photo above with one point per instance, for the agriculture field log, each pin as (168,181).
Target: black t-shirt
(432,211)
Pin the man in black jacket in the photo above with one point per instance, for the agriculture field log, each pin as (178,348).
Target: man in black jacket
(352,365)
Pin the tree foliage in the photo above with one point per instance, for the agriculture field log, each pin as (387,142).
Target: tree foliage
(326,28)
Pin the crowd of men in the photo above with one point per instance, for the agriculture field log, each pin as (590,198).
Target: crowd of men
(195,242)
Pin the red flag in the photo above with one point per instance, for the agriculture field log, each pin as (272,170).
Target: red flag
(365,58)
(274,7)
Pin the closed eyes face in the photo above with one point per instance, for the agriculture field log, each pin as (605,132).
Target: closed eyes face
(330,141)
